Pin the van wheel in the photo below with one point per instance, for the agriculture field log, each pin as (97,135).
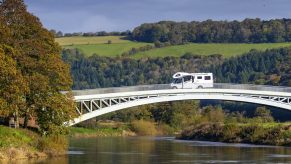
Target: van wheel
(174,88)
(200,87)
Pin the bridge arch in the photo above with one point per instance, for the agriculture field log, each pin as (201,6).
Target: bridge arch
(91,106)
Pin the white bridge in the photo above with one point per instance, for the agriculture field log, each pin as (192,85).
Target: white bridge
(95,102)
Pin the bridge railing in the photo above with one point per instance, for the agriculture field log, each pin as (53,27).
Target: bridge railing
(167,86)
(252,87)
(121,89)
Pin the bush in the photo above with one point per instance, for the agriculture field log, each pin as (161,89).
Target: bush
(205,131)
(230,133)
(142,127)
(53,144)
(164,129)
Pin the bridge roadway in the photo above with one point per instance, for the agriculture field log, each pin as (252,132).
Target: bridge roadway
(95,102)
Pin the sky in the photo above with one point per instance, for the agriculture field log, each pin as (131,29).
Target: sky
(119,15)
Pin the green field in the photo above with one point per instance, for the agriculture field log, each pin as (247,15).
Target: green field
(226,49)
(98,45)
(77,40)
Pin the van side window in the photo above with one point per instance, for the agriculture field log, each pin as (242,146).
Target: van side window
(199,77)
(207,77)
(187,78)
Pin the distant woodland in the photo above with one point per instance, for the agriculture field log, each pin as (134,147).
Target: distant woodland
(270,67)
(209,31)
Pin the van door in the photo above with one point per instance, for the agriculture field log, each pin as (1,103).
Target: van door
(198,80)
(187,81)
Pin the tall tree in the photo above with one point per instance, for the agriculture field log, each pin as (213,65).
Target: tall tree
(38,59)
(12,85)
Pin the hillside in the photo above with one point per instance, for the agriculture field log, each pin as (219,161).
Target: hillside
(270,67)
(99,45)
(225,49)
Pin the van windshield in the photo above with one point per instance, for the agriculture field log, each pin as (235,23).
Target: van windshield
(177,81)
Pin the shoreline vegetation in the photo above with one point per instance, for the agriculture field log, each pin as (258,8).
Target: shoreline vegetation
(117,129)
(23,144)
(18,144)
(277,134)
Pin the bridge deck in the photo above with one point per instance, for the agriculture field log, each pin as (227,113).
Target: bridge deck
(167,86)
(95,102)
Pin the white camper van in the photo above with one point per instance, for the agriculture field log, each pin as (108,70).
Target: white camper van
(192,80)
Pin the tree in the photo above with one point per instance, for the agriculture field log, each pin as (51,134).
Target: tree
(264,113)
(38,59)
(12,85)
(59,34)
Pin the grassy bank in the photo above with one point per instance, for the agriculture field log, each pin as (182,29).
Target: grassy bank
(99,132)
(136,127)
(99,45)
(105,128)
(263,133)
(25,144)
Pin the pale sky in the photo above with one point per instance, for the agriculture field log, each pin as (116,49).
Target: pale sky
(121,15)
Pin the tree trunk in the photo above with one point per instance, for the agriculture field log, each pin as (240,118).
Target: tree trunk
(16,119)
(26,118)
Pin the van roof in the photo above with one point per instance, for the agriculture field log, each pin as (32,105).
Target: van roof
(182,74)
(201,73)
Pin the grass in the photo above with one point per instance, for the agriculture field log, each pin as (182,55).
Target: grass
(113,49)
(101,128)
(80,40)
(15,137)
(226,49)
(23,144)
(98,45)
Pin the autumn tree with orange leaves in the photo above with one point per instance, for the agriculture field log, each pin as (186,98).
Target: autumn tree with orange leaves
(32,72)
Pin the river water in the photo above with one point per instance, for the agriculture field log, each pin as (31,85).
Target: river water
(139,150)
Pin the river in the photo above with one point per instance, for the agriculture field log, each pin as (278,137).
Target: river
(139,150)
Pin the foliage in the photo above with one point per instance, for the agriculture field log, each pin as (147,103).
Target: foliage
(245,133)
(264,114)
(12,84)
(37,71)
(99,131)
(142,127)
(96,71)
(257,67)
(270,67)
(53,144)
(30,143)
(246,31)
(91,34)
(214,114)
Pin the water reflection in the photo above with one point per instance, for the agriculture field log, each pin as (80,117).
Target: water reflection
(168,150)
(127,150)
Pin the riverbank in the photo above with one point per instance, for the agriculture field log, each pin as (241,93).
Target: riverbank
(110,128)
(79,132)
(18,144)
(265,133)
